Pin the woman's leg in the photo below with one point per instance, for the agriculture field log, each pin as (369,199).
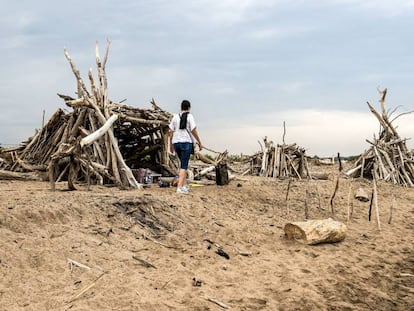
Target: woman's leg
(184,152)
(182,175)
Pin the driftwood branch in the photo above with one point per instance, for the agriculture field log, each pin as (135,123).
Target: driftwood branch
(98,133)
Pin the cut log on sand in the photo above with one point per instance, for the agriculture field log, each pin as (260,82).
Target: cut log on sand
(388,154)
(316,231)
(361,195)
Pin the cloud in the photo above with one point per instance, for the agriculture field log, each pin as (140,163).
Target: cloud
(228,12)
(278,32)
(241,62)
(382,7)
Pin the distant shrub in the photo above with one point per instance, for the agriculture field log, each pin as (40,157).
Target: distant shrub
(237,157)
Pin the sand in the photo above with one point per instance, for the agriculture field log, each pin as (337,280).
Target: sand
(156,250)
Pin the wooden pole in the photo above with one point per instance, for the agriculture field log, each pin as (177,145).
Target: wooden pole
(375,198)
(391,209)
(349,201)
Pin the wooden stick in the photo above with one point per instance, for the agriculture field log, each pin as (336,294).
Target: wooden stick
(145,263)
(371,202)
(336,185)
(219,303)
(288,189)
(383,171)
(306,203)
(86,288)
(334,194)
(319,197)
(349,201)
(362,168)
(78,264)
(159,243)
(391,209)
(141,120)
(375,193)
(339,162)
(408,179)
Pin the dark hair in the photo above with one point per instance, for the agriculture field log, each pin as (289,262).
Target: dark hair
(185,105)
(183,120)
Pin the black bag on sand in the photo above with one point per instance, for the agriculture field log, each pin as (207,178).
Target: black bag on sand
(222,175)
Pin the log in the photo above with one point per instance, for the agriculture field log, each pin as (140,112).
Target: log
(361,195)
(30,167)
(8,175)
(99,132)
(319,176)
(352,171)
(206,171)
(142,121)
(314,232)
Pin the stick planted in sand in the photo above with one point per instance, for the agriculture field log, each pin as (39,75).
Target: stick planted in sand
(370,206)
(287,196)
(391,209)
(375,197)
(336,184)
(349,202)
(306,203)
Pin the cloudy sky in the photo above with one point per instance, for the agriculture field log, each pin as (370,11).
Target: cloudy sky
(247,66)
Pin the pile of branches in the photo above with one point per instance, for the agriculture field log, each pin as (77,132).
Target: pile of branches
(99,142)
(280,161)
(388,158)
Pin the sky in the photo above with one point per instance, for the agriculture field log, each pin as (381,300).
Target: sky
(247,66)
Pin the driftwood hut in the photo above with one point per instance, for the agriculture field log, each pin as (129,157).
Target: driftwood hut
(279,161)
(100,141)
(388,157)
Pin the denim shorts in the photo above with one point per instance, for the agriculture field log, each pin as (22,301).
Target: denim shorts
(183,151)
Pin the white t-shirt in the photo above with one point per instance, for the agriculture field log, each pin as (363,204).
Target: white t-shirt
(184,135)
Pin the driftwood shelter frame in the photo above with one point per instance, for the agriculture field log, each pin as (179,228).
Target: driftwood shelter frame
(100,141)
(388,156)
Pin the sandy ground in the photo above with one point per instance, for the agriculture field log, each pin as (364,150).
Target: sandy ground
(156,250)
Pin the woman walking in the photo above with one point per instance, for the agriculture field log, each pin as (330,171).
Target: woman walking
(183,133)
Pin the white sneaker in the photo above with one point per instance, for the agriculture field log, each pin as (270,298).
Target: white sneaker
(182,190)
(186,187)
